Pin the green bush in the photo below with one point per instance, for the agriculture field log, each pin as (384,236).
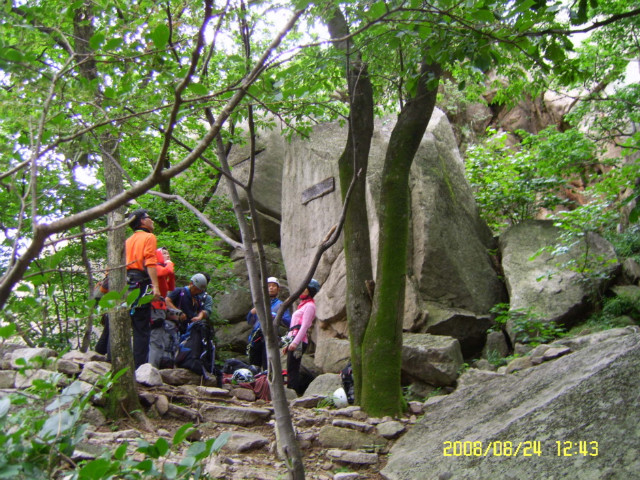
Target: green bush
(627,244)
(41,426)
(525,325)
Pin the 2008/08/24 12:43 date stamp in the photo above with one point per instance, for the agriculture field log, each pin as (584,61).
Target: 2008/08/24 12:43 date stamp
(529,448)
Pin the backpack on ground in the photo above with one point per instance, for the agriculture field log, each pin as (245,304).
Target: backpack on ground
(346,375)
(231,365)
(196,351)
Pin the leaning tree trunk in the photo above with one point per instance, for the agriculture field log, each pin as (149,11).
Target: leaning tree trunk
(355,160)
(382,346)
(287,444)
(123,397)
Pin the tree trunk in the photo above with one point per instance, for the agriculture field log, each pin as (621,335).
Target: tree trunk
(382,346)
(123,397)
(285,433)
(355,160)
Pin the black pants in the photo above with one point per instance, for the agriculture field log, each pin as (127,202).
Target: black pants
(141,324)
(258,354)
(293,371)
(103,347)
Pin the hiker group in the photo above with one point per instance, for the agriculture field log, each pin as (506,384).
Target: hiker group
(174,329)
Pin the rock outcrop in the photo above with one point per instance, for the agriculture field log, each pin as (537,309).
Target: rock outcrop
(553,285)
(449,261)
(573,417)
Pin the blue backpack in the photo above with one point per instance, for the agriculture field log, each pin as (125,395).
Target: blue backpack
(196,350)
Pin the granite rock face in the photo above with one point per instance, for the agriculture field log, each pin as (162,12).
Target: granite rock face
(546,283)
(591,395)
(449,261)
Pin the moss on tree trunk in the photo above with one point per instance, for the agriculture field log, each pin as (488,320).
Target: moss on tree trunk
(382,345)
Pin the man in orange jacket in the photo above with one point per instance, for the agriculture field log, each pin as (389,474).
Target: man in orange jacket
(141,273)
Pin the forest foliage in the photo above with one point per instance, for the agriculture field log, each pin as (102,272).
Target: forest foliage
(156,78)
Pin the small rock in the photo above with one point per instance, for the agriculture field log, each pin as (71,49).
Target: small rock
(556,352)
(346,476)
(310,401)
(354,458)
(360,426)
(390,429)
(519,363)
(416,407)
(245,441)
(162,404)
(147,374)
(244,394)
(68,367)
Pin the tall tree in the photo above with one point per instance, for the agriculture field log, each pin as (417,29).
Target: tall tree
(521,41)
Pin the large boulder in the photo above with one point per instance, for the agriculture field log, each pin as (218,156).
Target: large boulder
(332,355)
(431,359)
(583,403)
(449,259)
(545,283)
(468,328)
(267,179)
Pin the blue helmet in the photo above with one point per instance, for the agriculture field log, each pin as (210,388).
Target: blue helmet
(313,287)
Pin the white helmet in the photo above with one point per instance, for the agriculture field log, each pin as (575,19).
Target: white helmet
(339,398)
(242,375)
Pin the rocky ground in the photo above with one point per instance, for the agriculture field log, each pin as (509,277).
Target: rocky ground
(337,444)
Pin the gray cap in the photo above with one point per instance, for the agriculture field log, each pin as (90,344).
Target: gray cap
(199,281)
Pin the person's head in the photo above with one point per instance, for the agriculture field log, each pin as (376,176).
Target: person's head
(165,252)
(141,219)
(198,284)
(274,286)
(313,287)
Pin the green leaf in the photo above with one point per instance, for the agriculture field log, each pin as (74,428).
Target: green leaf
(96,40)
(377,10)
(109,300)
(162,446)
(5,404)
(221,441)
(635,214)
(160,36)
(113,43)
(144,466)
(110,92)
(188,461)
(482,61)
(121,452)
(554,53)
(196,449)
(170,471)
(132,296)
(483,15)
(146,299)
(7,331)
(11,54)
(182,433)
(57,424)
(68,395)
(11,471)
(198,89)
(96,469)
